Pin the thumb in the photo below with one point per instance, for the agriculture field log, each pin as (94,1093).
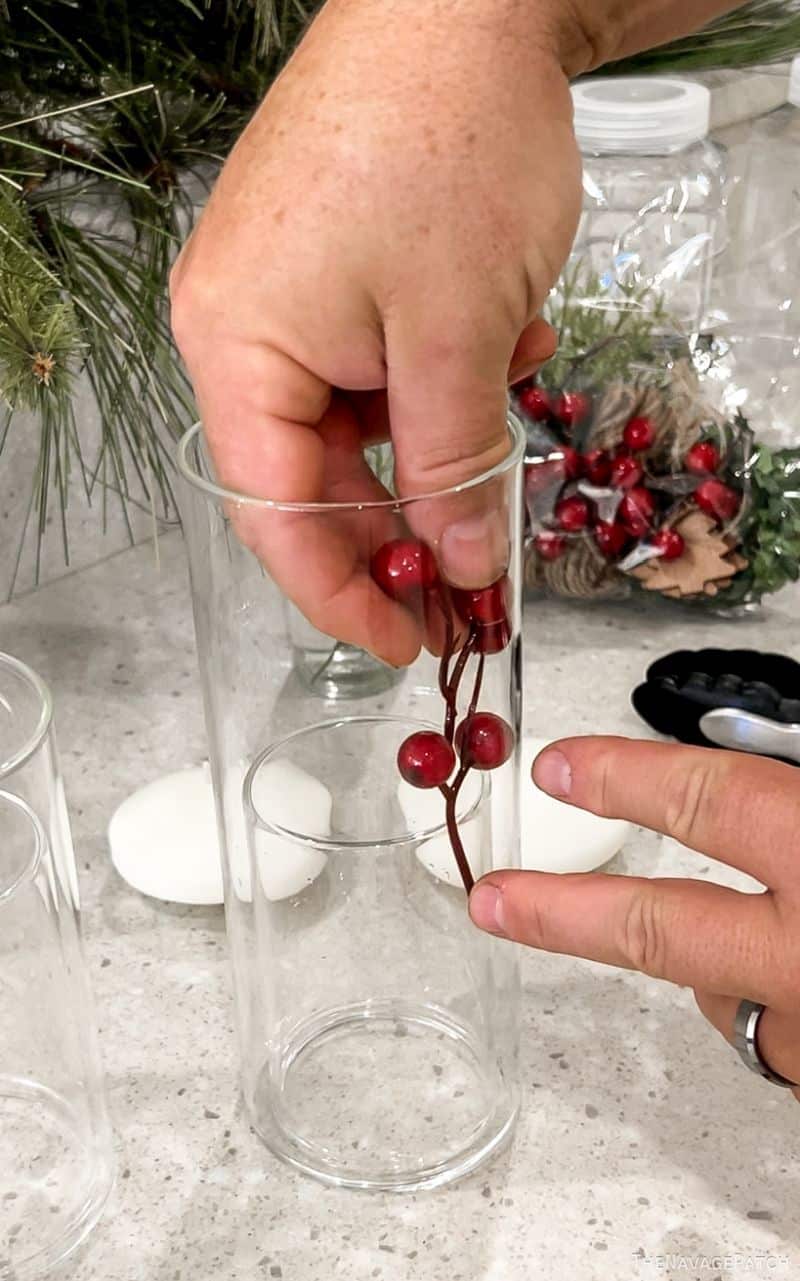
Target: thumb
(447,406)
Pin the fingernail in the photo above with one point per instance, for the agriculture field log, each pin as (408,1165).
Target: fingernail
(474,552)
(552,773)
(486,909)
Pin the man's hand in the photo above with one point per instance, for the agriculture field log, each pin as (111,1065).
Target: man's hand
(374,258)
(377,250)
(742,810)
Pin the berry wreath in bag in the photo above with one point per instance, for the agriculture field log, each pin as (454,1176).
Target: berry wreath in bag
(638,478)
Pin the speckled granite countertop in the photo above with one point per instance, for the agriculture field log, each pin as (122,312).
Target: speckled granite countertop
(644,1150)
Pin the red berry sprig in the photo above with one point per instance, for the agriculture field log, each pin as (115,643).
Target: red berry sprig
(597,467)
(426,759)
(484,741)
(636,511)
(611,538)
(718,500)
(639,434)
(669,543)
(573,513)
(626,472)
(702,459)
(646,507)
(572,408)
(537,403)
(406,570)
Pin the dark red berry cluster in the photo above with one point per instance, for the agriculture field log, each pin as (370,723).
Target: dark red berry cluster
(643,508)
(476,624)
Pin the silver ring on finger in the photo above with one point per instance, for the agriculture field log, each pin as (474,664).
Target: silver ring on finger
(745,1040)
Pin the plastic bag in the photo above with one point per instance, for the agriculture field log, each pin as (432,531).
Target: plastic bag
(652,465)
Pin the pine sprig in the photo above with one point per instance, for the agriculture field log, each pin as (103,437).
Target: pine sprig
(756,34)
(40,338)
(606,333)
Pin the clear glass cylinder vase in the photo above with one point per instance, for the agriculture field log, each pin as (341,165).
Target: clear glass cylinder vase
(378,1026)
(55,1139)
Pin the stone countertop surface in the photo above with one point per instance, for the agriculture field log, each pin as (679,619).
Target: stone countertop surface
(644,1149)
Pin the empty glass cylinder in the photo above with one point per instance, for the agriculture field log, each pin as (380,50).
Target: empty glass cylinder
(55,1140)
(378,1027)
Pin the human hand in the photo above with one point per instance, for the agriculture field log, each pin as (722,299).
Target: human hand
(378,248)
(743,810)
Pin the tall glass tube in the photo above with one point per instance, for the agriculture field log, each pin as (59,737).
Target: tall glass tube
(55,1139)
(378,1027)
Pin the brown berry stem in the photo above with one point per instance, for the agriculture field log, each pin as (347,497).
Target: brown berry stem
(451,799)
(442,598)
(454,684)
(476,691)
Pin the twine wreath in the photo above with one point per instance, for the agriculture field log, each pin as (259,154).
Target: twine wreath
(680,417)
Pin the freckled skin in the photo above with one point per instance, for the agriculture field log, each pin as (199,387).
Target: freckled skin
(389,223)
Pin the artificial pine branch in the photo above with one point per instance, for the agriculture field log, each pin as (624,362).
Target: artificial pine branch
(605,333)
(765,31)
(104,241)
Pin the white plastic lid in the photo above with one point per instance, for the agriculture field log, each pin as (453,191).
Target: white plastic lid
(794,83)
(640,114)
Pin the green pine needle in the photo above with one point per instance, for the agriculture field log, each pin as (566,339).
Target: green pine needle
(605,334)
(765,31)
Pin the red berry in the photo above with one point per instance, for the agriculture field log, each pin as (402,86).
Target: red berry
(484,741)
(486,604)
(702,458)
(487,609)
(597,467)
(426,759)
(610,538)
(636,511)
(492,638)
(537,403)
(717,499)
(669,543)
(550,546)
(404,567)
(626,472)
(572,513)
(572,407)
(639,433)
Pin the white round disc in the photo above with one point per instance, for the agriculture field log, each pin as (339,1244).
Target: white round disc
(557,837)
(163,839)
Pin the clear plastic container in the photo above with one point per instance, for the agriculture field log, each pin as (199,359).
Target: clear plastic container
(758,287)
(653,189)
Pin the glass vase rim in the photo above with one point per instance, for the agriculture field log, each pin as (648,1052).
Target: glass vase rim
(41,690)
(26,873)
(330,843)
(222,494)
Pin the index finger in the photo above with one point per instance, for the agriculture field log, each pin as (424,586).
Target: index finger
(743,810)
(273,434)
(692,933)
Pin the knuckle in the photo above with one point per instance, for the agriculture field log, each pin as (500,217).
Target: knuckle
(194,302)
(643,938)
(442,462)
(686,796)
(532,929)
